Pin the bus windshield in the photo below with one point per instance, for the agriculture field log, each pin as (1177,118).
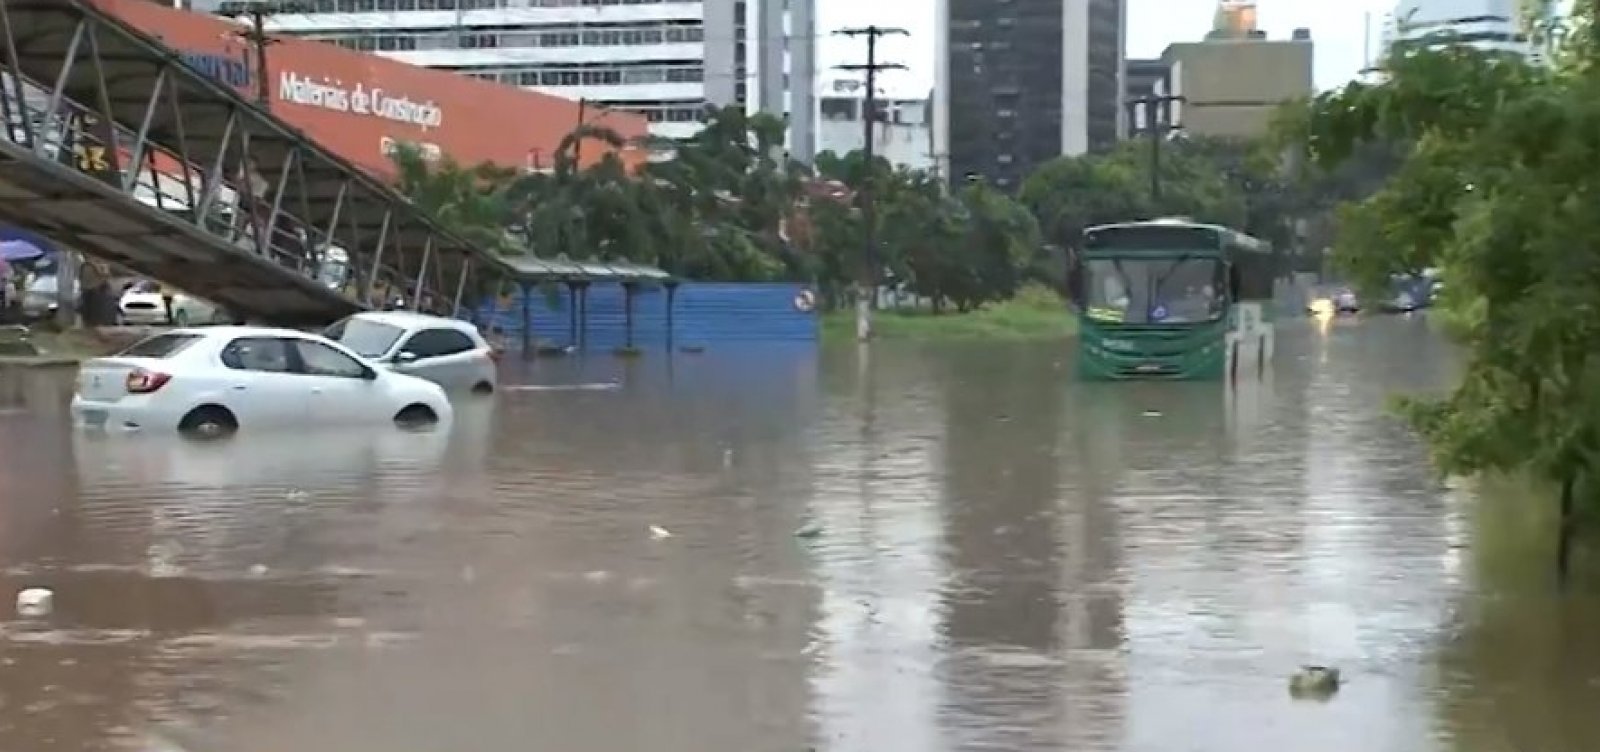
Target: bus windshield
(1172,290)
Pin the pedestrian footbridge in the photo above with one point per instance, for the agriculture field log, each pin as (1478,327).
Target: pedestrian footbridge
(118,150)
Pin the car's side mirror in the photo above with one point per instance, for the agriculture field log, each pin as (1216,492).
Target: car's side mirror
(369,374)
(405,357)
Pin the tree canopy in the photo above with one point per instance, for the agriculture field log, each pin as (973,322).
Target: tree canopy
(1496,191)
(728,204)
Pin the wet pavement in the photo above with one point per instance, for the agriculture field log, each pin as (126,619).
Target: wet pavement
(1003,559)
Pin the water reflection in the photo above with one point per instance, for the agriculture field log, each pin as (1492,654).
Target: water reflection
(1520,668)
(1006,559)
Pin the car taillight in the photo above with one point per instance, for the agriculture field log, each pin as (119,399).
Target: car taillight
(141,381)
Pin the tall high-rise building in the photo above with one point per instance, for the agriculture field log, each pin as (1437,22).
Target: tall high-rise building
(665,59)
(1021,82)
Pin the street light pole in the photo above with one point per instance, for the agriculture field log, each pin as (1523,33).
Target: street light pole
(258,11)
(1157,126)
(867,296)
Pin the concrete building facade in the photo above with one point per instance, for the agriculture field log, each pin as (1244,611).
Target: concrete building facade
(1234,87)
(903,133)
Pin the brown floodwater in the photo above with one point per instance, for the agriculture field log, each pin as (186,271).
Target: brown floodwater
(1004,559)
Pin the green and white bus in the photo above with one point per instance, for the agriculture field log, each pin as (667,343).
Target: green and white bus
(1173,299)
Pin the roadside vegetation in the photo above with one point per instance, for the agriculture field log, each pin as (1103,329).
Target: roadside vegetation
(728,206)
(1035,313)
(1501,161)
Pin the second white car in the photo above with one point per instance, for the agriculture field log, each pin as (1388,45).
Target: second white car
(218,380)
(448,352)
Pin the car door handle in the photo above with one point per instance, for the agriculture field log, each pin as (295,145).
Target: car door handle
(239,387)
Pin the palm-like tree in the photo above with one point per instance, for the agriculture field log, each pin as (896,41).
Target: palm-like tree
(716,209)
(468,201)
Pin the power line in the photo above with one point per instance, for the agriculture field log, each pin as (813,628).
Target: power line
(869,276)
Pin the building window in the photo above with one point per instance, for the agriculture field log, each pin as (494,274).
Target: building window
(598,74)
(552,35)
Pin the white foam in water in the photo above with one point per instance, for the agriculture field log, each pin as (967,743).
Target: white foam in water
(603,386)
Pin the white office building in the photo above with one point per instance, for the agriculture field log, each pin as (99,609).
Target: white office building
(903,133)
(1486,24)
(665,59)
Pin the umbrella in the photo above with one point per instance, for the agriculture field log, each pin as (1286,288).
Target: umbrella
(19,250)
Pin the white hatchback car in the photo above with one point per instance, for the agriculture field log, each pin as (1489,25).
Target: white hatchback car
(448,352)
(217,380)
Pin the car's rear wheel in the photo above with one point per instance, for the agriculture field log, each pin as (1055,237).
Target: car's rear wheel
(208,422)
(415,416)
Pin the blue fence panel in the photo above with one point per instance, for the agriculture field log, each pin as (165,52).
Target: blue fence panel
(715,313)
(703,315)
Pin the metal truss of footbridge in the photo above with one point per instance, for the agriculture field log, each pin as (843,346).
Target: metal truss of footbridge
(120,151)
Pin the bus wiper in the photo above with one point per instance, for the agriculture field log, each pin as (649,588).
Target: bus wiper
(1160,282)
(1171,270)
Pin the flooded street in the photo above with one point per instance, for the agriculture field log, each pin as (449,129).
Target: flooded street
(1004,559)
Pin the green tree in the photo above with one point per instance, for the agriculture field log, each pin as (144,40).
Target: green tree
(468,201)
(735,185)
(728,204)
(1495,194)
(1001,239)
(1068,194)
(966,248)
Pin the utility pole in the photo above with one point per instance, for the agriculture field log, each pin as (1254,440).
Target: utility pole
(1158,123)
(867,296)
(256,36)
(577,145)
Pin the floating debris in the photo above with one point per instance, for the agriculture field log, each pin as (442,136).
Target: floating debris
(1152,413)
(258,570)
(809,530)
(296,495)
(35,603)
(659,533)
(1314,683)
